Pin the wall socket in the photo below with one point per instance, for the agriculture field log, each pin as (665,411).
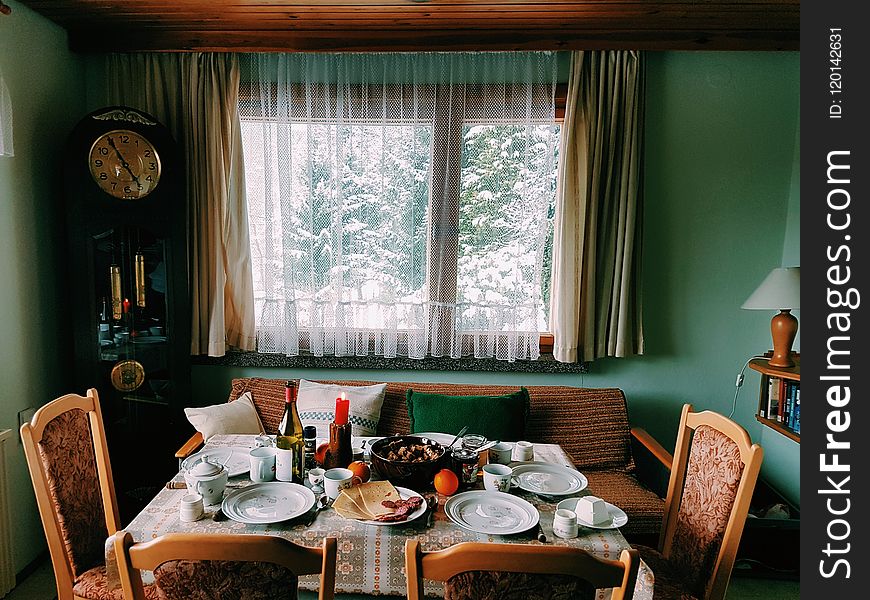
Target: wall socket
(24,416)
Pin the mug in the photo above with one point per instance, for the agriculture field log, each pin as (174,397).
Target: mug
(524,452)
(500,453)
(262,464)
(335,480)
(565,523)
(497,478)
(191,508)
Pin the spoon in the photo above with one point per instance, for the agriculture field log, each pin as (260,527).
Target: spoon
(458,435)
(322,503)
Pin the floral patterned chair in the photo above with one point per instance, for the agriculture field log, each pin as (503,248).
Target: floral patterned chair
(230,567)
(65,447)
(480,571)
(713,475)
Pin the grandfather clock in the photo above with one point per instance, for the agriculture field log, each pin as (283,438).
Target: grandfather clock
(127,214)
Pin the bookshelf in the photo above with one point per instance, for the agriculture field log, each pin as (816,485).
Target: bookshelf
(791,381)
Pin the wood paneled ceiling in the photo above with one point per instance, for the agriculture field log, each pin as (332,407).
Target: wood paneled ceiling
(374,25)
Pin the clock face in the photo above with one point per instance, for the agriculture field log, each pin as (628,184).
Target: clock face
(124,164)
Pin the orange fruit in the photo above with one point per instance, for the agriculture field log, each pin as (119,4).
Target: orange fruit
(361,470)
(446,482)
(320,453)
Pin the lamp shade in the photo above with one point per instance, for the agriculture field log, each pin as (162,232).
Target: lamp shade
(780,290)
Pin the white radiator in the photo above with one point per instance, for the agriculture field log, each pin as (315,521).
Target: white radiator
(7,567)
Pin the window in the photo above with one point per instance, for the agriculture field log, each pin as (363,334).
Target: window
(407,218)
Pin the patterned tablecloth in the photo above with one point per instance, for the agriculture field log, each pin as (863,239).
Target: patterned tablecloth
(371,558)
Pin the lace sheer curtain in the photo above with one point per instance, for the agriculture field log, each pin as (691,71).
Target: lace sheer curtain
(5,120)
(400,204)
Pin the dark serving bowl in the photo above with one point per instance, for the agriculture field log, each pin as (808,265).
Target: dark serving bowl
(415,475)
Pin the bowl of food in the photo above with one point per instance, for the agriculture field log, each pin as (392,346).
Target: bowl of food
(407,460)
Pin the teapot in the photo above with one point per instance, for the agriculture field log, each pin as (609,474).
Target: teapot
(207,479)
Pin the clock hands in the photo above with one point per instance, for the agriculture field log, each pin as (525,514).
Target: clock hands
(124,163)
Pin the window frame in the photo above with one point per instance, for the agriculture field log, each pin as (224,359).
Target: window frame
(443,231)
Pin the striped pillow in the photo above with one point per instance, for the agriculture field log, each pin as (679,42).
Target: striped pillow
(316,405)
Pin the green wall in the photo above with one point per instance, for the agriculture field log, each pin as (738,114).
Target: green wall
(46,86)
(720,194)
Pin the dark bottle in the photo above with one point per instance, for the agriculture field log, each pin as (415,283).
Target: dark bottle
(309,434)
(290,460)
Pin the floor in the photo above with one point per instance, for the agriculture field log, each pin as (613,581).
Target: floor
(40,586)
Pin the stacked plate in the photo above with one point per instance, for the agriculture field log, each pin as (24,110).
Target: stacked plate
(618,518)
(494,513)
(236,459)
(548,479)
(265,503)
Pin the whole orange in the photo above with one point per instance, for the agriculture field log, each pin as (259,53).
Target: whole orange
(320,453)
(446,482)
(361,470)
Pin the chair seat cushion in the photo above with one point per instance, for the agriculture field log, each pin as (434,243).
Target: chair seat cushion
(224,580)
(643,507)
(497,585)
(668,581)
(92,584)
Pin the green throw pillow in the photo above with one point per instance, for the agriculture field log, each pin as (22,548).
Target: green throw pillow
(496,417)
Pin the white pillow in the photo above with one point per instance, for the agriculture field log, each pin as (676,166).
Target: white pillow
(316,405)
(238,416)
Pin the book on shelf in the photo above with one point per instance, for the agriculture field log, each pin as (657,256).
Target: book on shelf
(773,398)
(797,410)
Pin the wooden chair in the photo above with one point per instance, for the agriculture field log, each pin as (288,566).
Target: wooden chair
(229,565)
(511,571)
(65,447)
(713,474)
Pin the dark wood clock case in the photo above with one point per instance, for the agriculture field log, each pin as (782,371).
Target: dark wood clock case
(142,420)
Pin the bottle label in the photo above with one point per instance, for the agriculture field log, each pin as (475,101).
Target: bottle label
(284,464)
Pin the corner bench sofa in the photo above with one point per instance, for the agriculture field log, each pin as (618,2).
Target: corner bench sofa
(590,424)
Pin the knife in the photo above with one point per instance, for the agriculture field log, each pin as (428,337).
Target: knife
(539,531)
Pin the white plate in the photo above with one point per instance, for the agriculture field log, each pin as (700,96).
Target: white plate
(271,502)
(494,513)
(618,518)
(404,494)
(237,460)
(549,479)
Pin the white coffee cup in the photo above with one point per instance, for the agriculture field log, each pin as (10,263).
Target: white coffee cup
(262,464)
(497,478)
(524,452)
(565,523)
(500,453)
(191,508)
(335,480)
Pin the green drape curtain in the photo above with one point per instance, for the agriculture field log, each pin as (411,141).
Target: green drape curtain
(595,299)
(196,96)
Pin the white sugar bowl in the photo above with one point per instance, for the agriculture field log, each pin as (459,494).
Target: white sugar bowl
(208,480)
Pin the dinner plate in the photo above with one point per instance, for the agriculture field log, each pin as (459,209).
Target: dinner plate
(549,479)
(618,518)
(404,494)
(237,460)
(272,502)
(494,513)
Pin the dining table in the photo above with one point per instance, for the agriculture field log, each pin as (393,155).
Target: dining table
(370,558)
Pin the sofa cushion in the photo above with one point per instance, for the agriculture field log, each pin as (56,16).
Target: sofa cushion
(644,509)
(316,404)
(496,417)
(232,417)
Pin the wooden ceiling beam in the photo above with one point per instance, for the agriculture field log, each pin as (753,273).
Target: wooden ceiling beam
(405,25)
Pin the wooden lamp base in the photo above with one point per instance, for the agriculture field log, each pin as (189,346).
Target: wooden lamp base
(783,328)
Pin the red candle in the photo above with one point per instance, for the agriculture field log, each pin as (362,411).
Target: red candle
(126,305)
(342,406)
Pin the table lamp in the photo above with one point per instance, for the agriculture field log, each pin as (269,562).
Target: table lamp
(780,290)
